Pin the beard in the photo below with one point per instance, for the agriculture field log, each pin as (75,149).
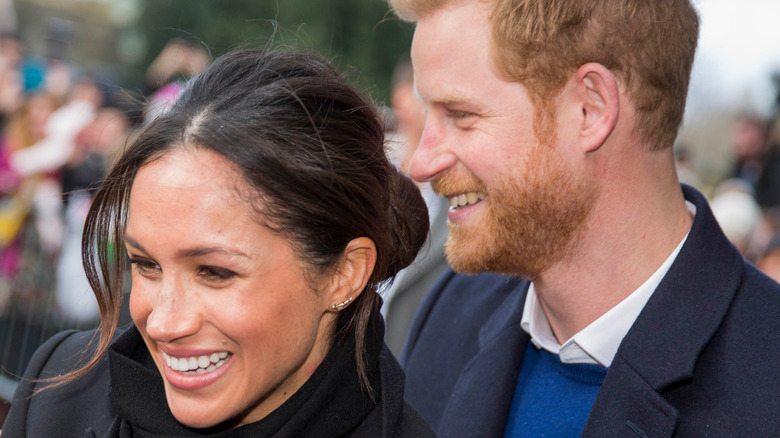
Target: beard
(531,219)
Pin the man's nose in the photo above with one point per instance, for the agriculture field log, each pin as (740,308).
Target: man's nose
(433,154)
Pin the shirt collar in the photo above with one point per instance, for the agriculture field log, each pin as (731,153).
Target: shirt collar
(598,342)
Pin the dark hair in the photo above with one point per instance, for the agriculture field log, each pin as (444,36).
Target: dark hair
(309,144)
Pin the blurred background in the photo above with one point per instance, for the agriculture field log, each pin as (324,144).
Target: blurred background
(77,76)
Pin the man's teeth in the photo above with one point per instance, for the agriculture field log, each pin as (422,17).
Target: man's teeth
(196,364)
(466,199)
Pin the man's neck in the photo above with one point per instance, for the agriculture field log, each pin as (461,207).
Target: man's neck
(630,233)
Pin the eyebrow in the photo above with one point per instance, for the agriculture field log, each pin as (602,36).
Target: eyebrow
(192,252)
(446,99)
(449,99)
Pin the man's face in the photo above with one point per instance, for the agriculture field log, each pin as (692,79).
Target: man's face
(517,200)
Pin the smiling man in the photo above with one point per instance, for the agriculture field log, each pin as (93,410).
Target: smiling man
(550,128)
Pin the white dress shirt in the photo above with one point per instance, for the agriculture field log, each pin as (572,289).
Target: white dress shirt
(598,342)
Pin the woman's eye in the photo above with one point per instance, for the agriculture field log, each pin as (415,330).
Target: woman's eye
(144,267)
(213,273)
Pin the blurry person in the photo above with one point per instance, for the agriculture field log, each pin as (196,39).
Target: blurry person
(95,147)
(737,212)
(11,81)
(26,127)
(11,93)
(749,143)
(408,111)
(53,151)
(403,297)
(596,296)
(178,61)
(768,187)
(259,214)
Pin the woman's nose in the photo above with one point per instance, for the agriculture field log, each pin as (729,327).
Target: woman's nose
(174,313)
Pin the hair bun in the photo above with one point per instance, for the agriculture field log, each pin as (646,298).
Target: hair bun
(409,221)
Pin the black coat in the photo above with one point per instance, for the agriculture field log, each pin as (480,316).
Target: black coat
(700,360)
(84,408)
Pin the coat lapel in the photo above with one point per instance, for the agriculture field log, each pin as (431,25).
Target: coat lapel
(662,347)
(501,343)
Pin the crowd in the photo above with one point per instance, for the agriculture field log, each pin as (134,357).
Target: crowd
(61,128)
(747,201)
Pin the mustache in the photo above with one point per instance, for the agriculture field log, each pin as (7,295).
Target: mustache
(456,183)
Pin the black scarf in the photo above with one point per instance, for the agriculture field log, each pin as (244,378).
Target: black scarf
(330,404)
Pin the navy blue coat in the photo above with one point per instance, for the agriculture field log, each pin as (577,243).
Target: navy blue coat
(702,358)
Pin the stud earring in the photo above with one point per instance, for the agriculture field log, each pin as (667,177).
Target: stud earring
(339,306)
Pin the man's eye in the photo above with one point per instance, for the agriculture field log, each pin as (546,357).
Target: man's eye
(213,273)
(460,114)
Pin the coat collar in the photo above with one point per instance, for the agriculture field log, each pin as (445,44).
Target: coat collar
(663,345)
(489,377)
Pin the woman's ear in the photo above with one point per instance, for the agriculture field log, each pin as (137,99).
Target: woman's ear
(597,94)
(354,270)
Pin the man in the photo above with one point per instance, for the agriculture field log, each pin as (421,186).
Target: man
(550,129)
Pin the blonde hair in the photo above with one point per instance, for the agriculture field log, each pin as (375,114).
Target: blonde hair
(648,45)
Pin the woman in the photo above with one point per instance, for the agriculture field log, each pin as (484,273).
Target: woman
(259,215)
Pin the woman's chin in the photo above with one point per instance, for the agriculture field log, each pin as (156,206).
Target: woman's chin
(197,420)
(196,415)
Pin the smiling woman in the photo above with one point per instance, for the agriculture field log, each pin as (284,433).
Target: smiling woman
(259,216)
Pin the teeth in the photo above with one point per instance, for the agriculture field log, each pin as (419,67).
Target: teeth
(466,199)
(196,364)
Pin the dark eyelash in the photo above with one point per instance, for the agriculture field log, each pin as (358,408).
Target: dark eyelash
(214,273)
(142,265)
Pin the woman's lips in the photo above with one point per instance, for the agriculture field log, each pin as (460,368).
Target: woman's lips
(195,372)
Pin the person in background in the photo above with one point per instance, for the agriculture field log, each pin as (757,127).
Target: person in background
(403,297)
(607,301)
(96,147)
(750,147)
(178,61)
(26,127)
(738,214)
(259,215)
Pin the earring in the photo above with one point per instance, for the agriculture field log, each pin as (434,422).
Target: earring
(339,306)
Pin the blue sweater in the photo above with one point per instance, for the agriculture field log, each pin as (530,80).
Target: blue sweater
(552,399)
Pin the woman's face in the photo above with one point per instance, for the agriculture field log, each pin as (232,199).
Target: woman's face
(221,302)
